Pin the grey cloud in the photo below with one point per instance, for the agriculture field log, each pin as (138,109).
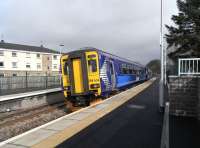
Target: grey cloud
(128,28)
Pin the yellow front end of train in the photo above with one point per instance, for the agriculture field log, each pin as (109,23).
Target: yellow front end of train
(80,76)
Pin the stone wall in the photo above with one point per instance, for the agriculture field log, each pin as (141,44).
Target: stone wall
(31,102)
(184,96)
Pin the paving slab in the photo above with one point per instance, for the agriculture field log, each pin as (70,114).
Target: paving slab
(96,108)
(62,124)
(34,137)
(13,146)
(79,116)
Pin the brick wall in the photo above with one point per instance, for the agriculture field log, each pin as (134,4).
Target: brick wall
(198,108)
(184,96)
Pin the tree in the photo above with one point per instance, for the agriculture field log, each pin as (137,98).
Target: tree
(154,65)
(185,36)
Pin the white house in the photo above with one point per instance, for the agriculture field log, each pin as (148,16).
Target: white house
(18,60)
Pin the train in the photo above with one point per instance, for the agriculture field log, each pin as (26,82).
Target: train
(90,73)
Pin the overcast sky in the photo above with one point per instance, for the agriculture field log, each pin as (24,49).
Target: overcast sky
(128,28)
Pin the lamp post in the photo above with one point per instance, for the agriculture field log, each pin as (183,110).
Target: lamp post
(61,46)
(161,84)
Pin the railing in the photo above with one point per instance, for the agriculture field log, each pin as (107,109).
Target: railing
(20,84)
(189,66)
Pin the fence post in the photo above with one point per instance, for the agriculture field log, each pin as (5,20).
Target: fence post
(0,85)
(46,80)
(179,62)
(26,80)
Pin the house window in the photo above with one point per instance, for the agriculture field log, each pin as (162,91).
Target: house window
(28,65)
(14,74)
(55,66)
(1,64)
(48,67)
(1,52)
(14,64)
(47,58)
(38,55)
(55,57)
(28,55)
(14,54)
(1,74)
(38,66)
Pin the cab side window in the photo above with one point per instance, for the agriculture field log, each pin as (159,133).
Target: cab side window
(66,69)
(92,66)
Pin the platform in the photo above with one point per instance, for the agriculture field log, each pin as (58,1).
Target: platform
(28,94)
(74,125)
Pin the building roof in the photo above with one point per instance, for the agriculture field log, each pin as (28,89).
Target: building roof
(29,48)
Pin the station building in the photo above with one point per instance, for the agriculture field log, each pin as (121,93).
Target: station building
(22,60)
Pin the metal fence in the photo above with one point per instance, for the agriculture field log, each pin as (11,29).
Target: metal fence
(10,85)
(189,66)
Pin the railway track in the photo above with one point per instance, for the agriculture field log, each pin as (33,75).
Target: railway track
(26,114)
(22,121)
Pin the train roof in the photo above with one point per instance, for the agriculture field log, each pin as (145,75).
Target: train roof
(106,53)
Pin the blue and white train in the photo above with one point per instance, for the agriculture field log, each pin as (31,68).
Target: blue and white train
(92,72)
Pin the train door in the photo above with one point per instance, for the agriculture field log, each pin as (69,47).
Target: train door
(65,74)
(78,75)
(112,74)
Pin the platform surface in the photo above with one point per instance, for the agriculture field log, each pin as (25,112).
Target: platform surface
(74,125)
(135,124)
(28,94)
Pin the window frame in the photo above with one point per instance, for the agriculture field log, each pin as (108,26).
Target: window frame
(38,57)
(2,64)
(39,66)
(92,69)
(28,55)
(14,54)
(29,65)
(15,65)
(55,57)
(55,65)
(1,52)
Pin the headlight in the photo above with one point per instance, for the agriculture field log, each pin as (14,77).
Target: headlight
(94,86)
(67,88)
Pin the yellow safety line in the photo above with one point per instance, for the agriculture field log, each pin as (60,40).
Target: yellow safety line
(62,136)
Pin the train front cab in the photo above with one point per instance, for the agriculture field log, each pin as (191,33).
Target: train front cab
(80,74)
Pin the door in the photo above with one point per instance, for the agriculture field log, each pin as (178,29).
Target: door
(112,74)
(78,75)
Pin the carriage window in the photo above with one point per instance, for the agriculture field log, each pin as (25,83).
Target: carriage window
(124,71)
(111,69)
(130,71)
(92,65)
(66,69)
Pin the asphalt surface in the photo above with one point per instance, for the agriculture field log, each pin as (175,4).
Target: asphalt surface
(137,123)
